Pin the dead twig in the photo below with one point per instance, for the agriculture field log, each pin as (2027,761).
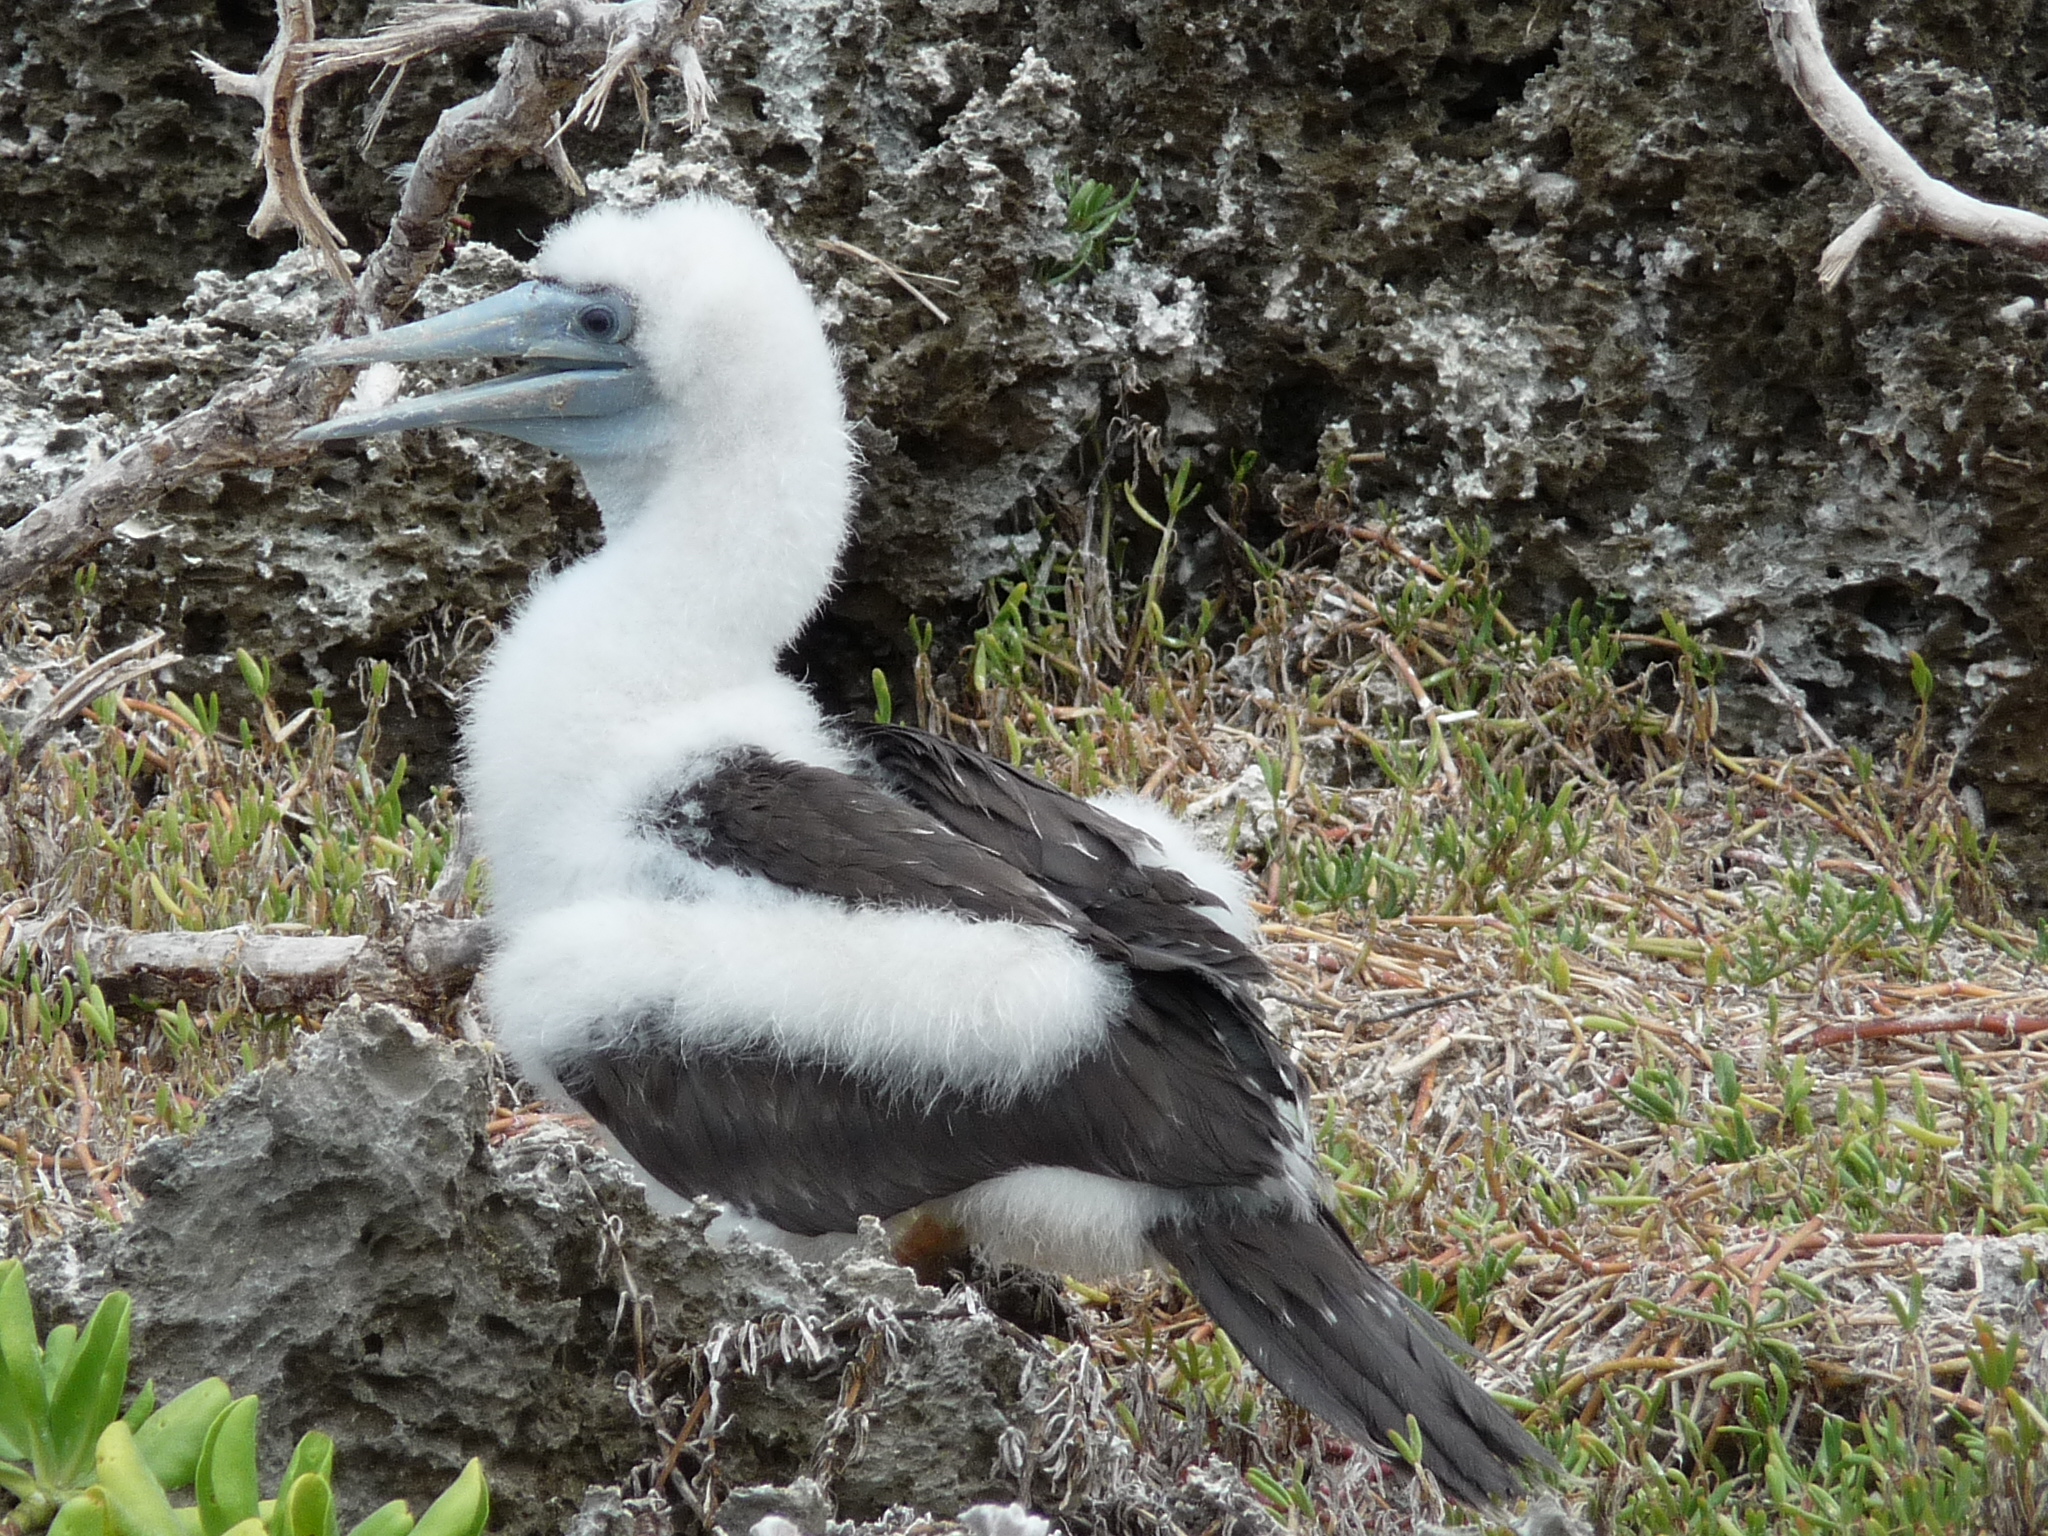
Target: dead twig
(895,274)
(275,87)
(1427,1004)
(1433,714)
(431,959)
(108,674)
(1792,698)
(2009,1026)
(1907,197)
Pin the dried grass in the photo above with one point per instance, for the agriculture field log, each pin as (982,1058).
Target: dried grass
(147,812)
(1680,1081)
(1701,1092)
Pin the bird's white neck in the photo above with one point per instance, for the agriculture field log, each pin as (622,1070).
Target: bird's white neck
(636,662)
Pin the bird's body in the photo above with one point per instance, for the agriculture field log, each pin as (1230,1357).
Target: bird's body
(819,972)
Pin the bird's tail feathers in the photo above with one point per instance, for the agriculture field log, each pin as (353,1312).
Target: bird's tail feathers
(1339,1338)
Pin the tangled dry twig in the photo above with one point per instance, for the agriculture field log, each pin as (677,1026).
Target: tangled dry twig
(558,55)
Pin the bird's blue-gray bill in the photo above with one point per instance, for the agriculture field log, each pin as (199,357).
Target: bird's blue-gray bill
(581,367)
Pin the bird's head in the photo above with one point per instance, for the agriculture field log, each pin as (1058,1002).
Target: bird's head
(655,344)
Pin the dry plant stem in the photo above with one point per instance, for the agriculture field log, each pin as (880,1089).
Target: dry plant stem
(1907,197)
(108,674)
(1790,697)
(894,273)
(249,425)
(1432,714)
(431,960)
(2008,1026)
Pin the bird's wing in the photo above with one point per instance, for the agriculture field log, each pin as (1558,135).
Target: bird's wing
(1093,860)
(1185,1090)
(828,834)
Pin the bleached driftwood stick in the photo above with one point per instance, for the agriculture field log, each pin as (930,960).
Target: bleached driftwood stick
(1907,197)
(430,961)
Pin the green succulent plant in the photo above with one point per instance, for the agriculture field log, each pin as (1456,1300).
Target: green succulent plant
(80,1467)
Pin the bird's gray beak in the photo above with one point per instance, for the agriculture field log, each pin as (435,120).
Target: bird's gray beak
(583,375)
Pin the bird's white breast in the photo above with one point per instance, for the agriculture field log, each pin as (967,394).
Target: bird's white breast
(592,708)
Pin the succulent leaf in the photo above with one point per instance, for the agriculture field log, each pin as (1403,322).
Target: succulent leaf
(136,1499)
(17,1480)
(224,1481)
(85,1514)
(463,1510)
(308,1506)
(393,1519)
(144,1405)
(312,1457)
(57,1348)
(24,1401)
(173,1437)
(86,1392)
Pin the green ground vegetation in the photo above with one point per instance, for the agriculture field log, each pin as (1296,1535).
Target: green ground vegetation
(1698,1090)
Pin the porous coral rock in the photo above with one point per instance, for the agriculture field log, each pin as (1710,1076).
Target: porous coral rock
(343,1239)
(1551,266)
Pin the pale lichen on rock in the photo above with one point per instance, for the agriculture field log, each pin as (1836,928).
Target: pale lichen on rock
(1550,266)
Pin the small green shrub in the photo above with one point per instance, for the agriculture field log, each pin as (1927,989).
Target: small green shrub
(80,1467)
(1093,212)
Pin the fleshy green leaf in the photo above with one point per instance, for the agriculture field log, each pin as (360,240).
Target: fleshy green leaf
(464,1510)
(176,1433)
(87,1391)
(17,1480)
(24,1401)
(394,1519)
(224,1481)
(312,1457)
(57,1348)
(136,1499)
(309,1507)
(85,1515)
(144,1405)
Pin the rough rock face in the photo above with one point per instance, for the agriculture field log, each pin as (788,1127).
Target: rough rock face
(342,1239)
(1549,265)
(101,109)
(380,552)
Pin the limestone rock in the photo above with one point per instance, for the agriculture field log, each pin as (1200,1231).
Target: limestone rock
(342,1239)
(1548,266)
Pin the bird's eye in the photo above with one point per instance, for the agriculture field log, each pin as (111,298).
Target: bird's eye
(601,322)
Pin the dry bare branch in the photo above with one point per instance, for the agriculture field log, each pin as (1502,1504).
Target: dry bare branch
(541,74)
(107,674)
(432,960)
(1907,196)
(246,426)
(556,51)
(275,87)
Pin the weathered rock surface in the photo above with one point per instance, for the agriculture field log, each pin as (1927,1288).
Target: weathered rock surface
(1548,264)
(376,553)
(342,1239)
